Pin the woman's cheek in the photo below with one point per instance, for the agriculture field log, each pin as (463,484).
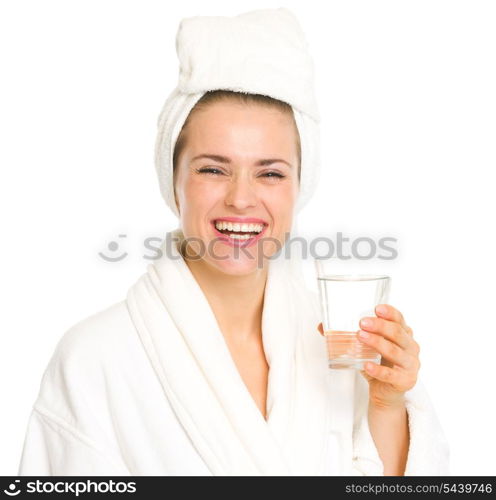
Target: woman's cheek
(204,194)
(283,200)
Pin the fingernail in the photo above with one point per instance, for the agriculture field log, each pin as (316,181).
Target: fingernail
(366,322)
(381,309)
(363,334)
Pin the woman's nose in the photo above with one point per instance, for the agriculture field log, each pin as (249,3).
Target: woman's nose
(241,194)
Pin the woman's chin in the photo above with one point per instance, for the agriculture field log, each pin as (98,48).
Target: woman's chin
(238,267)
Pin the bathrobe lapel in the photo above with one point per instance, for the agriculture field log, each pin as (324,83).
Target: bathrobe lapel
(187,350)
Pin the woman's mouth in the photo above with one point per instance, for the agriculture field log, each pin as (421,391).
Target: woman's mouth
(239,233)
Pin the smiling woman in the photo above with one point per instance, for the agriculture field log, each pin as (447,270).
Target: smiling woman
(213,364)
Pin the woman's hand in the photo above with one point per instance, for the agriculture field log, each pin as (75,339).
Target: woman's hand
(389,335)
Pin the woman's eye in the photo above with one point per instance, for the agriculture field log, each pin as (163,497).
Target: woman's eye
(209,170)
(273,175)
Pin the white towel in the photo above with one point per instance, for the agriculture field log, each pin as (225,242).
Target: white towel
(262,51)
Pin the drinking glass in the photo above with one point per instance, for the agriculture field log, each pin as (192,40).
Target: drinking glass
(345,299)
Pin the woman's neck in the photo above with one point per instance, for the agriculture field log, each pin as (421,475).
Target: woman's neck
(237,301)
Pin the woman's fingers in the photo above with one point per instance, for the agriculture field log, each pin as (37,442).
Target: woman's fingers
(389,350)
(320,328)
(391,330)
(401,380)
(390,313)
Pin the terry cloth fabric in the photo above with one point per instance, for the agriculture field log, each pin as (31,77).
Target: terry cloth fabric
(260,52)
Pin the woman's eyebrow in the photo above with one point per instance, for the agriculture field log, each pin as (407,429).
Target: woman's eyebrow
(225,159)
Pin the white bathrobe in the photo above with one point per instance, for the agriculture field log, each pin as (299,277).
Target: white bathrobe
(148,387)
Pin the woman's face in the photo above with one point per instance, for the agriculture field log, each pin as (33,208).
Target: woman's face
(239,162)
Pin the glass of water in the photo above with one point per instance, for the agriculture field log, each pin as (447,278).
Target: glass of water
(345,300)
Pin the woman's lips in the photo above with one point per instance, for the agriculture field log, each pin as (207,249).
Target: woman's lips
(224,238)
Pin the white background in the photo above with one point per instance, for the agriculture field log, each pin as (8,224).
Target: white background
(407,97)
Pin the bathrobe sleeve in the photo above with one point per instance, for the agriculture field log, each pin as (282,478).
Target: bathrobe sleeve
(66,432)
(428,453)
(54,448)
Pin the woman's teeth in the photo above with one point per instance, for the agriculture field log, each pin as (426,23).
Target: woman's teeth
(240,236)
(238,231)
